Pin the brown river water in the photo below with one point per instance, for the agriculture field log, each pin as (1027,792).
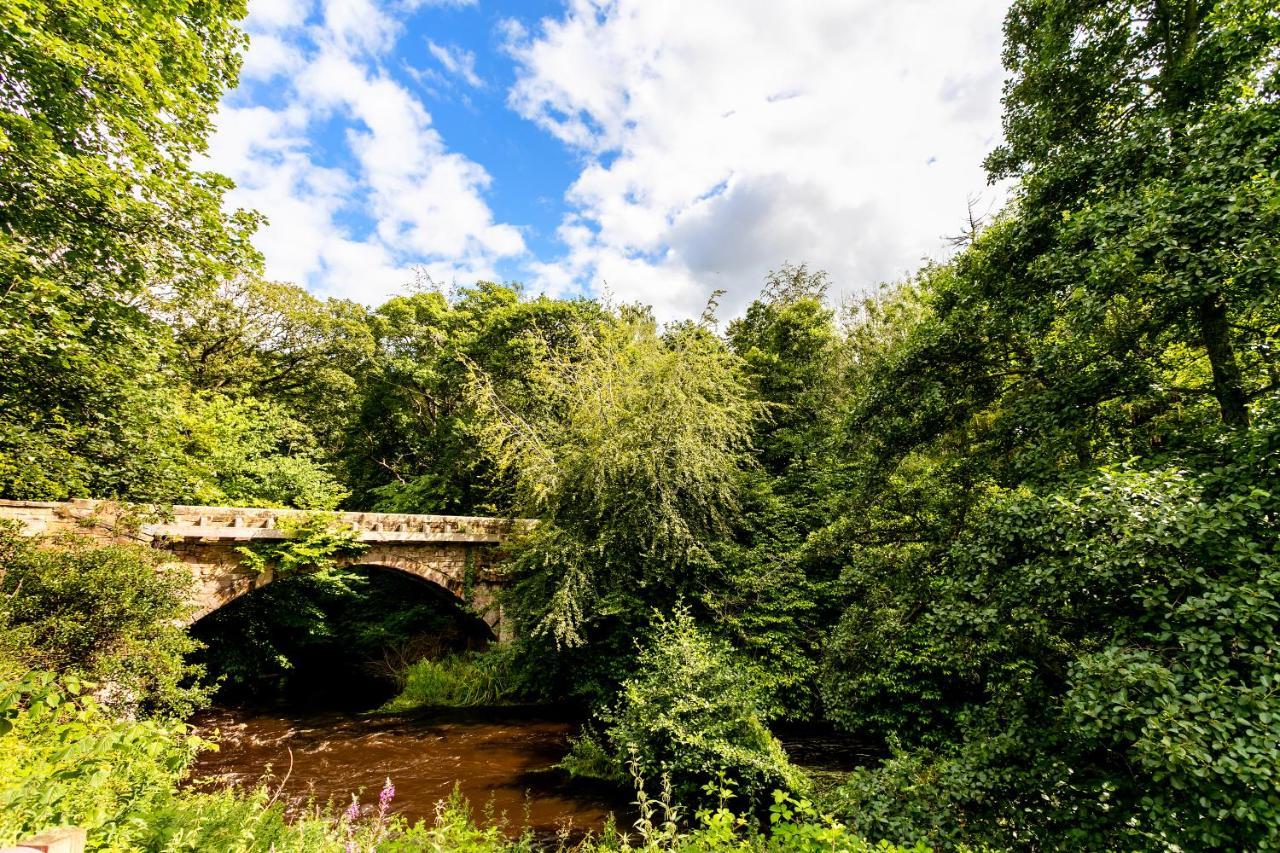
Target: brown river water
(500,759)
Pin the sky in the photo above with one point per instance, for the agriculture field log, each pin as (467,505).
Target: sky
(650,150)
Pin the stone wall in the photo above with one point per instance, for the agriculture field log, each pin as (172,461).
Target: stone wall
(455,553)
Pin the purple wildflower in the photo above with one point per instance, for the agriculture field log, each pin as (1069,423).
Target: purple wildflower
(352,814)
(385,798)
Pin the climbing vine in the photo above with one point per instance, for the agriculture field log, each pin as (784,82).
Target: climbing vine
(468,575)
(312,543)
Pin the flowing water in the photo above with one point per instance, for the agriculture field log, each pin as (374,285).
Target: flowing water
(500,760)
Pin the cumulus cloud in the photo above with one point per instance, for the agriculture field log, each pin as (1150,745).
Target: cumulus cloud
(401,199)
(723,137)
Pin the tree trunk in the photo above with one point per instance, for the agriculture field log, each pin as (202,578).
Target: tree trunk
(1227,384)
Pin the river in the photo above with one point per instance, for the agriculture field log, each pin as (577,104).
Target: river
(500,759)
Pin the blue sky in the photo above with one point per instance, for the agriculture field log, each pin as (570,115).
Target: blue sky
(530,169)
(656,149)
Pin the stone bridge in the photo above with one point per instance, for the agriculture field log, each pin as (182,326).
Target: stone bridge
(456,554)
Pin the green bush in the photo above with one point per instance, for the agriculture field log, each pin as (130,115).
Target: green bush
(112,614)
(231,819)
(590,758)
(65,761)
(691,713)
(1123,634)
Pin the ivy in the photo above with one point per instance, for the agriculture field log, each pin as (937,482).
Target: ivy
(312,543)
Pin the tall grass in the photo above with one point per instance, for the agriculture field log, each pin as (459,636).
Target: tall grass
(461,680)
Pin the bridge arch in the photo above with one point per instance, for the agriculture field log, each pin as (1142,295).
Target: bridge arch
(456,553)
(307,641)
(430,580)
(445,587)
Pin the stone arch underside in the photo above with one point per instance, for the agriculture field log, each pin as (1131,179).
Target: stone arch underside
(461,572)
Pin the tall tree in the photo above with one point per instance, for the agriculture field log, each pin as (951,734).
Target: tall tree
(1057,542)
(270,340)
(1146,134)
(630,453)
(102,106)
(414,444)
(788,340)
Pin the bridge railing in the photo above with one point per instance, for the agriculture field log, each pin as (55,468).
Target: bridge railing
(250,523)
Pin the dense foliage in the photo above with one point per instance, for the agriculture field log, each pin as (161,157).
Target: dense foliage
(110,614)
(691,715)
(1013,518)
(101,111)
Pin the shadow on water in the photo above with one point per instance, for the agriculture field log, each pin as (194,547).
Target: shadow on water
(822,749)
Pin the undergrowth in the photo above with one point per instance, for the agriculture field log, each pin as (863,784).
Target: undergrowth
(461,680)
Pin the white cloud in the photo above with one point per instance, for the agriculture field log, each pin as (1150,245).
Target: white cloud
(269,57)
(723,137)
(357,25)
(266,15)
(458,62)
(424,203)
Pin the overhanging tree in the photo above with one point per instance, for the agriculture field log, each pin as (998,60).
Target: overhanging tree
(102,107)
(1146,136)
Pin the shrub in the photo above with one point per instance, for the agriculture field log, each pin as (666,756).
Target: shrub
(590,758)
(112,614)
(65,761)
(690,712)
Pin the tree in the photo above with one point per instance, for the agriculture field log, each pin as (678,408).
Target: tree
(267,340)
(630,450)
(1115,637)
(773,605)
(1055,534)
(1145,135)
(413,444)
(251,452)
(788,340)
(102,107)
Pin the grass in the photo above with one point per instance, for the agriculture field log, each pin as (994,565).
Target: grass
(458,681)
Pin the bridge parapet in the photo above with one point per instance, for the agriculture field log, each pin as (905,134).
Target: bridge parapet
(456,553)
(242,524)
(192,522)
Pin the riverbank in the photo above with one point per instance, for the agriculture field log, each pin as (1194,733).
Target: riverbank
(64,762)
(501,759)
